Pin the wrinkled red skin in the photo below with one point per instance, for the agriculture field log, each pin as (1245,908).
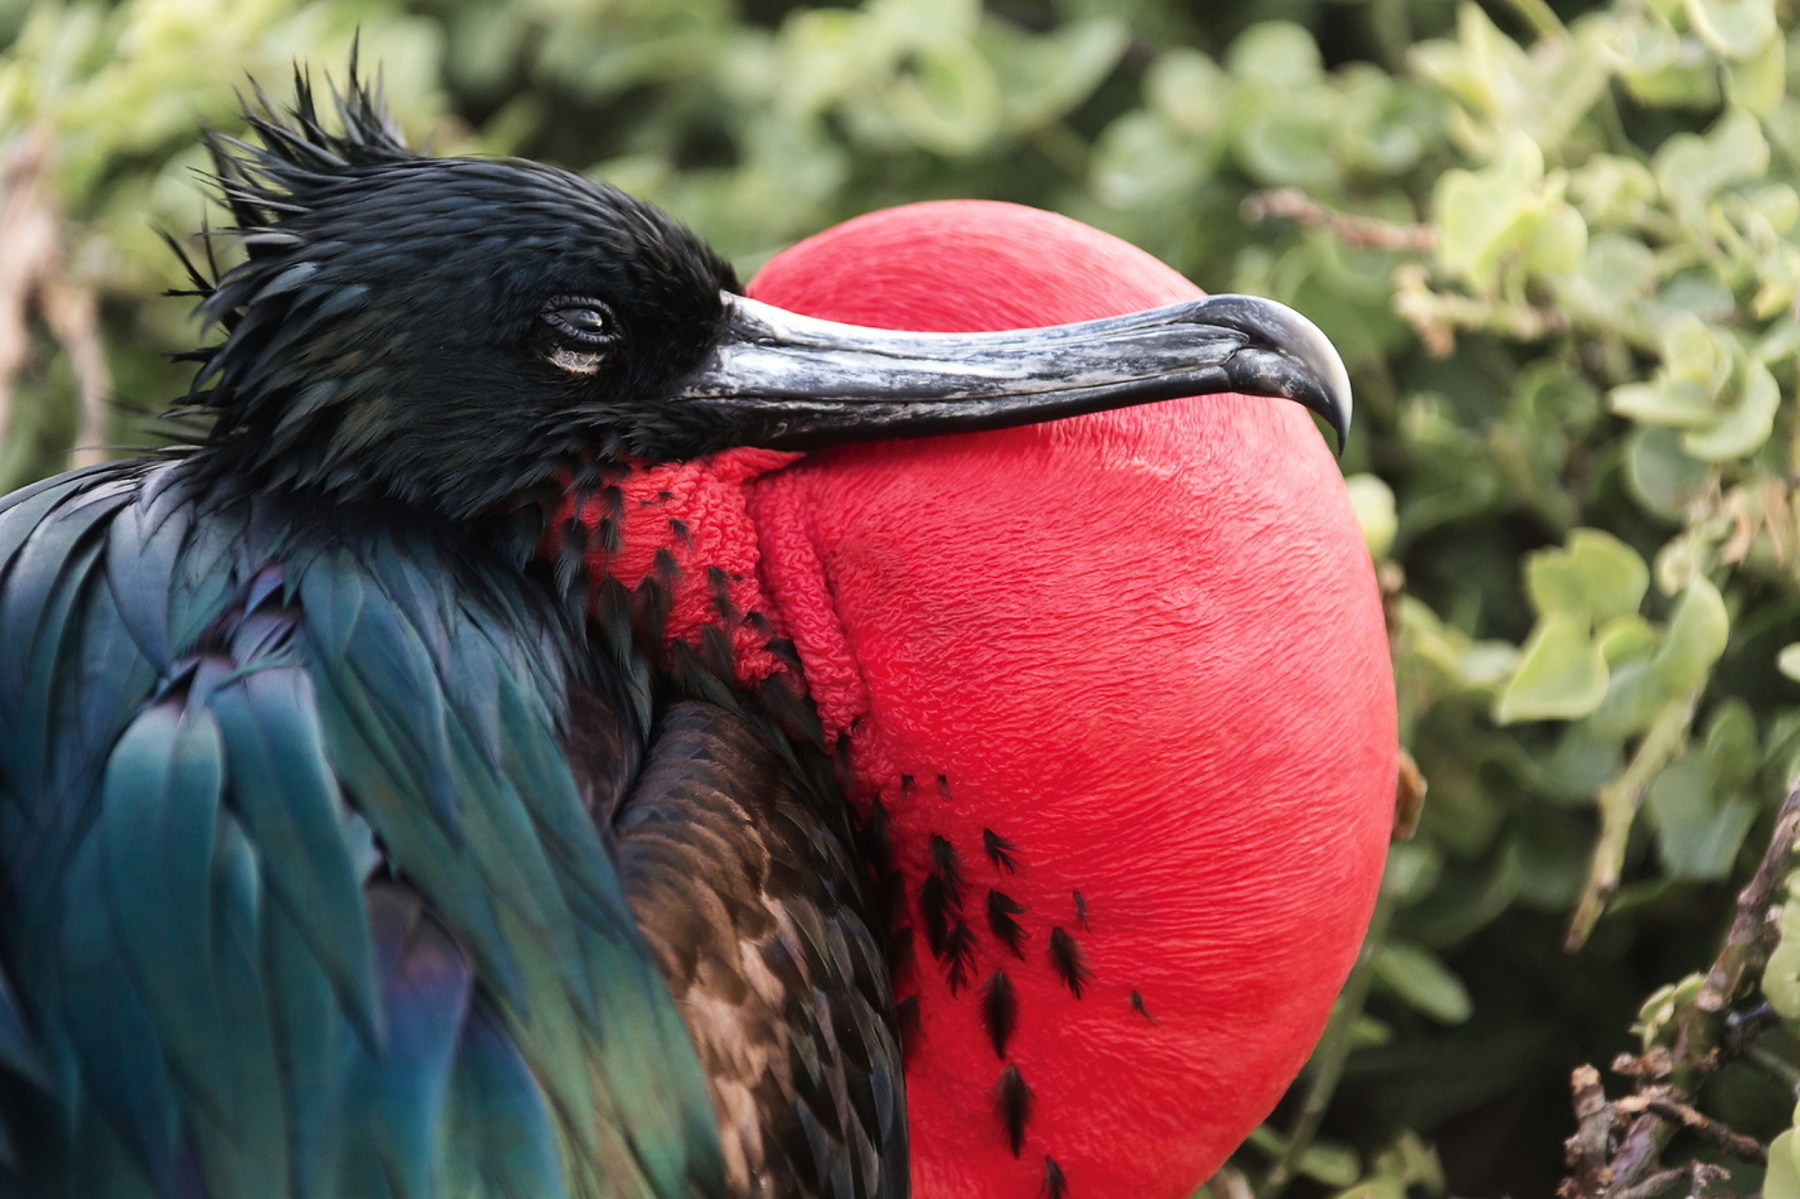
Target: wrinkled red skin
(1144,647)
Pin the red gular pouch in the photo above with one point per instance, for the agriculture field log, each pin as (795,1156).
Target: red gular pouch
(1121,683)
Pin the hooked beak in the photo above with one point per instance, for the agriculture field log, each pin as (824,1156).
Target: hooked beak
(785,381)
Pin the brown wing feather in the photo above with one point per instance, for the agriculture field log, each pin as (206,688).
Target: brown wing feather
(744,881)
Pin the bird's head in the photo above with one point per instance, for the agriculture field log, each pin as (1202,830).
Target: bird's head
(453,333)
(443,332)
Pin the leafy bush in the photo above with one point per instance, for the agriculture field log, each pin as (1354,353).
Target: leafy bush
(1557,247)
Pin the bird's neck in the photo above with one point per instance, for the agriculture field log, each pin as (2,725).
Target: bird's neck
(679,539)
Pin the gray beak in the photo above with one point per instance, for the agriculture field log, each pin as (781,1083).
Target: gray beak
(785,381)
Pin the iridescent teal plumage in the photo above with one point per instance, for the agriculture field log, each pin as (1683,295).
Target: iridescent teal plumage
(302,896)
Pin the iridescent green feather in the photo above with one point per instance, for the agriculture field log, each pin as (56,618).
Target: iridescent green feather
(303,898)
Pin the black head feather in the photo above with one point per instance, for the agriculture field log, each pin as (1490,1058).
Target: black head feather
(443,332)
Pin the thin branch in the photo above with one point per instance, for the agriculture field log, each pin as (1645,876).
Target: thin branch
(1619,803)
(1586,1151)
(1692,1043)
(1361,232)
(1750,941)
(1698,1175)
(34,280)
(1719,1136)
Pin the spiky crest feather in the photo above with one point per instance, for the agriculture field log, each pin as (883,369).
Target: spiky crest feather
(385,331)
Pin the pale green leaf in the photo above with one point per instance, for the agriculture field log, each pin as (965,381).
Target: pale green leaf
(1280,54)
(1781,977)
(1373,502)
(1333,1164)
(1663,478)
(1613,575)
(1479,213)
(1734,28)
(1635,694)
(1561,675)
(1696,637)
(1596,576)
(1626,638)
(950,103)
(1691,168)
(1740,430)
(1698,833)
(1042,78)
(1670,404)
(1782,1179)
(1423,982)
(1757,83)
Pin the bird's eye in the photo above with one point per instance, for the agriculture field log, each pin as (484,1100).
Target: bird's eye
(580,321)
(580,331)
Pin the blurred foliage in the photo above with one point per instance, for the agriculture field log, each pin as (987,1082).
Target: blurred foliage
(1558,245)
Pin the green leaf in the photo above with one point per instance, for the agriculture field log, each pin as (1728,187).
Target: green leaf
(1742,429)
(1613,575)
(1663,478)
(1696,638)
(1373,502)
(1190,89)
(1556,586)
(1666,402)
(1043,78)
(1280,54)
(1625,639)
(1733,750)
(1757,83)
(1698,834)
(1561,675)
(950,103)
(1556,243)
(1782,1179)
(1423,982)
(1635,693)
(1692,168)
(1781,977)
(1367,1032)
(1413,869)
(1609,189)
(1596,577)
(1144,161)
(1734,28)
(1289,145)
(1663,69)
(1479,213)
(1330,1163)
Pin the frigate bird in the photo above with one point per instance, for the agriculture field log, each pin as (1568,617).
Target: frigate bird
(404,790)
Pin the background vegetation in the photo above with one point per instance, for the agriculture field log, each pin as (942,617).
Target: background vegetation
(1557,243)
